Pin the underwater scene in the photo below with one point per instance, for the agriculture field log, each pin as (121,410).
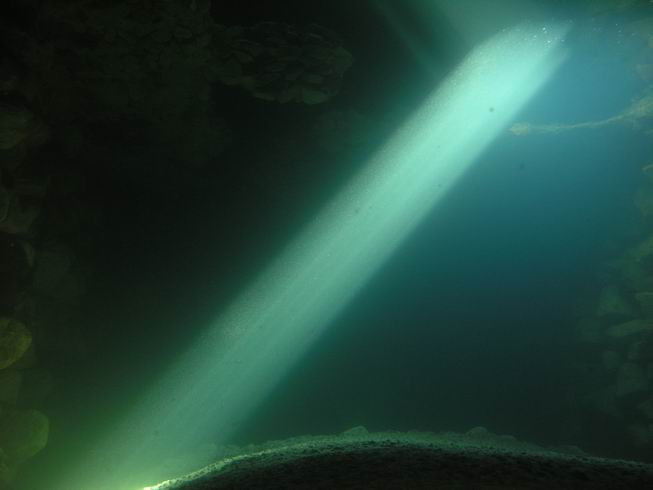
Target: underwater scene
(385,244)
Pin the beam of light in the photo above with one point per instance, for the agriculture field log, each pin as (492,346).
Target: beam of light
(211,389)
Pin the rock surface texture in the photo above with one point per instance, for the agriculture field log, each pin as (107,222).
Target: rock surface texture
(361,460)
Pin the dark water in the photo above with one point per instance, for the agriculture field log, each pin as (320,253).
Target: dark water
(472,322)
(472,319)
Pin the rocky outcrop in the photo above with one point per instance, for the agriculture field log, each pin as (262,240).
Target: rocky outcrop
(617,339)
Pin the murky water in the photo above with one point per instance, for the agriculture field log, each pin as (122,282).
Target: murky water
(171,236)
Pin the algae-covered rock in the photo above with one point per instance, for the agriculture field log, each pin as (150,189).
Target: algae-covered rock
(15,339)
(23,433)
(279,62)
(629,328)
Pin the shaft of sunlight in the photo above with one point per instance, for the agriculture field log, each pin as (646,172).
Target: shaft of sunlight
(212,388)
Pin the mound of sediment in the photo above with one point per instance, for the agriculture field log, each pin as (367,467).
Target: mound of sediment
(393,460)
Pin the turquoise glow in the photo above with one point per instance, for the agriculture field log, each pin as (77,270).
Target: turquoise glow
(211,390)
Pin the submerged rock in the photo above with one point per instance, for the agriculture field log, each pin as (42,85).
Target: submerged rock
(15,339)
(357,431)
(279,62)
(632,327)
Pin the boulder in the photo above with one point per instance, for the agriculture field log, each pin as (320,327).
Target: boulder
(15,339)
(359,430)
(23,433)
(275,61)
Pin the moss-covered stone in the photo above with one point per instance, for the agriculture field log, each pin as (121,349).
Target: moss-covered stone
(279,62)
(15,339)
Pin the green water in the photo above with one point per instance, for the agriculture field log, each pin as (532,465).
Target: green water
(157,157)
